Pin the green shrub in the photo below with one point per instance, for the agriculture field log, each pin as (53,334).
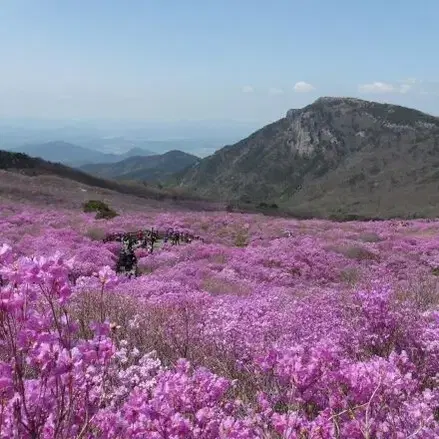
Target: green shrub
(264,205)
(95,206)
(103,211)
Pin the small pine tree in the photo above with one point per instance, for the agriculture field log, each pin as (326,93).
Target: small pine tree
(103,211)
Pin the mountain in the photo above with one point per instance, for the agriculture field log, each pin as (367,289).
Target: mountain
(75,155)
(336,157)
(152,168)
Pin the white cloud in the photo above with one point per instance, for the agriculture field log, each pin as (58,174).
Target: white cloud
(275,91)
(248,89)
(376,87)
(402,86)
(303,87)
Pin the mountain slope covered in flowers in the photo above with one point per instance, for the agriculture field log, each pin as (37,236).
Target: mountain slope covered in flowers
(270,328)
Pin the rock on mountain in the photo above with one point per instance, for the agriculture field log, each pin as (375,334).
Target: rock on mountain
(337,155)
(151,168)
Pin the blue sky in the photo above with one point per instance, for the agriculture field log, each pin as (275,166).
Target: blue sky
(202,59)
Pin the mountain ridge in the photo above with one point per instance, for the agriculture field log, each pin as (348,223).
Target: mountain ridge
(153,168)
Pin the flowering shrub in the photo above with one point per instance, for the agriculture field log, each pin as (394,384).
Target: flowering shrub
(216,340)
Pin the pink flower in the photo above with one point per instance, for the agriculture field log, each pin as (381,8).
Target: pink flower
(107,276)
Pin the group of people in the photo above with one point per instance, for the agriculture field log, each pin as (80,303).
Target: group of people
(127,261)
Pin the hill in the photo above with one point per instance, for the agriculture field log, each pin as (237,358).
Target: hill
(154,168)
(34,171)
(336,157)
(75,155)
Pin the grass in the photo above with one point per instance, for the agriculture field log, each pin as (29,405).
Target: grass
(355,252)
(369,237)
(350,276)
(96,234)
(241,238)
(423,293)
(217,286)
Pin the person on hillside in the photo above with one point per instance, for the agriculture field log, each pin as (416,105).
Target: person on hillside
(127,262)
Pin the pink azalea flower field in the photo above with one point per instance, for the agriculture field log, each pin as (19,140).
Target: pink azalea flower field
(270,328)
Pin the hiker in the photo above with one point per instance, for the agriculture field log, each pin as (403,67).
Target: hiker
(153,238)
(127,262)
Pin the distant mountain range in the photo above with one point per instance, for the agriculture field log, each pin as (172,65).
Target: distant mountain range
(75,155)
(201,138)
(336,157)
(117,145)
(153,168)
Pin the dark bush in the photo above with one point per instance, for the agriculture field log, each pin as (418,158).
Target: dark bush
(106,214)
(264,205)
(95,206)
(103,211)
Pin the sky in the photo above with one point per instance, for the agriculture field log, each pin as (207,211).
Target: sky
(241,60)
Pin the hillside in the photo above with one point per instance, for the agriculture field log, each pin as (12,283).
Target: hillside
(153,168)
(337,156)
(75,155)
(24,165)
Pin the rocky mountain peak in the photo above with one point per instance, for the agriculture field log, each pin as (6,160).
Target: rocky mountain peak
(336,148)
(339,100)
(329,103)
